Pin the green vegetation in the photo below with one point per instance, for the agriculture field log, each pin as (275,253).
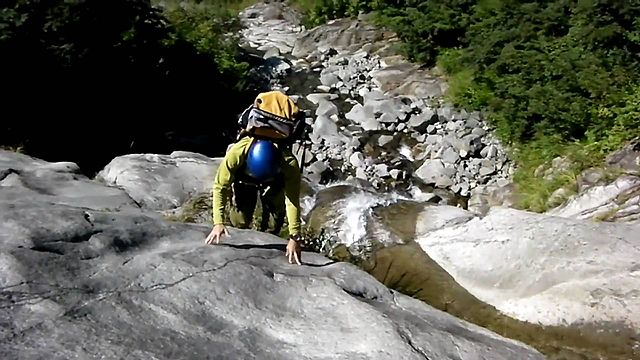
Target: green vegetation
(212,27)
(196,209)
(556,77)
(136,77)
(17,149)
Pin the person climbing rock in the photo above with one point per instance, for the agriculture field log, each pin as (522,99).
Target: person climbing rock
(260,164)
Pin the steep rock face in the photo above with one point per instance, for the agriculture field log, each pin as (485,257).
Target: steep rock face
(544,269)
(161,182)
(87,282)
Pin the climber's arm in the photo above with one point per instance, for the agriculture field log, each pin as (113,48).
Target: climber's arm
(225,174)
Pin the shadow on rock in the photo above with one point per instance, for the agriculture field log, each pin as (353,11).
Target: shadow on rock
(279,247)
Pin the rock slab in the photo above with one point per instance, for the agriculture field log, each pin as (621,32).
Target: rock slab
(79,282)
(542,268)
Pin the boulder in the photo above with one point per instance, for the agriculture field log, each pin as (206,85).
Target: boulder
(371,125)
(434,217)
(434,172)
(161,182)
(489,151)
(590,178)
(316,98)
(423,120)
(342,34)
(617,201)
(329,79)
(384,140)
(359,114)
(626,159)
(357,160)
(325,130)
(450,156)
(407,79)
(381,170)
(500,193)
(326,108)
(390,109)
(544,269)
(271,51)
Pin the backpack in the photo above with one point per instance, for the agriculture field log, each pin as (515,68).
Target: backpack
(274,116)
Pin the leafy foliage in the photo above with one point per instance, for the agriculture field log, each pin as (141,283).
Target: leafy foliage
(537,66)
(126,75)
(211,27)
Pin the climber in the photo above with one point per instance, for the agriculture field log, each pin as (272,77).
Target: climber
(260,164)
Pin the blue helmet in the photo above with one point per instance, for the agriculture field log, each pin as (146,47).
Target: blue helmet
(263,160)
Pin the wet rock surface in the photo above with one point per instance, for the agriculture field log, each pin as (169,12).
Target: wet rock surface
(389,128)
(116,275)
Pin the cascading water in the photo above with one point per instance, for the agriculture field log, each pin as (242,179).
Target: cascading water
(347,214)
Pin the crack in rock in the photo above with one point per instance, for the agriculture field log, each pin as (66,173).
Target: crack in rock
(403,334)
(4,173)
(28,297)
(10,299)
(407,339)
(164,286)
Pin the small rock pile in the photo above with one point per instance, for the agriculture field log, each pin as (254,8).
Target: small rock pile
(385,139)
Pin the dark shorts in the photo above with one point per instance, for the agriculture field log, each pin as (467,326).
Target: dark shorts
(246,213)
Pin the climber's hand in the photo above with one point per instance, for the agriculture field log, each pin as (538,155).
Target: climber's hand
(294,250)
(216,233)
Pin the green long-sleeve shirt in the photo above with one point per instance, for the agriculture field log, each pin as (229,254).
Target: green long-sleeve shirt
(233,161)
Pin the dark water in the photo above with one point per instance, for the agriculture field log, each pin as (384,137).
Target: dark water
(408,269)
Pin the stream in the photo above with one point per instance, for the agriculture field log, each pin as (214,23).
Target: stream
(376,227)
